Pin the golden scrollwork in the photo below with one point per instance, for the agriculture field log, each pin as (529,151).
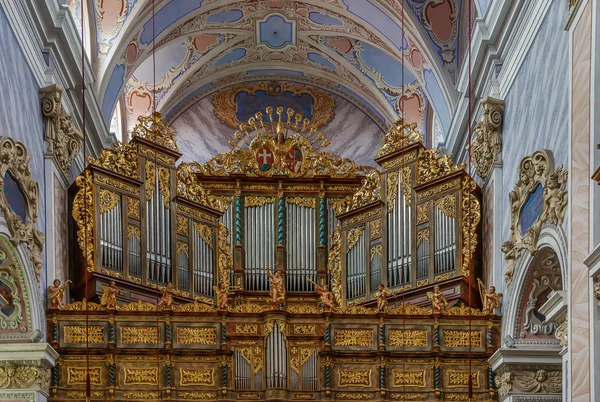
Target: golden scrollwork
(408,337)
(303,397)
(246,328)
(253,201)
(376,250)
(83,207)
(354,396)
(219,202)
(460,338)
(139,335)
(76,334)
(362,216)
(107,200)
(136,306)
(340,205)
(196,335)
(461,397)
(375,229)
(463,309)
(299,356)
(399,161)
(354,236)
(225,257)
(281,326)
(102,179)
(334,264)
(196,307)
(153,153)
(447,205)
(369,191)
(122,160)
(471,215)
(205,233)
(78,375)
(409,396)
(352,337)
(133,208)
(306,202)
(422,235)
(226,107)
(438,189)
(355,378)
(460,378)
(182,248)
(140,375)
(357,309)
(392,189)
(150,181)
(422,213)
(399,136)
(408,378)
(249,395)
(197,395)
(81,395)
(84,305)
(140,395)
(152,128)
(304,329)
(409,309)
(182,225)
(195,213)
(248,308)
(204,377)
(431,166)
(303,309)
(443,277)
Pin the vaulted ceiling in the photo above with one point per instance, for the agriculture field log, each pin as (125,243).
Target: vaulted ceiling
(372,53)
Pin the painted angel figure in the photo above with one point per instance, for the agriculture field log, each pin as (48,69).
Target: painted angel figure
(489,299)
(56,293)
(109,295)
(166,300)
(382,295)
(541,381)
(438,300)
(326,296)
(277,291)
(222,294)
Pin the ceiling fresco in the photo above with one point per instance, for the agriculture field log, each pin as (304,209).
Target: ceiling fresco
(388,58)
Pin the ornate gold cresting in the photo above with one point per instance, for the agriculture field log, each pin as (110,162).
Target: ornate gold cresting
(431,166)
(83,207)
(487,143)
(226,107)
(334,264)
(122,160)
(225,263)
(535,170)
(154,129)
(14,161)
(64,139)
(399,136)
(286,144)
(471,215)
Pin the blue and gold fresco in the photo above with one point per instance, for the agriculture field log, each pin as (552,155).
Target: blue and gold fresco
(248,103)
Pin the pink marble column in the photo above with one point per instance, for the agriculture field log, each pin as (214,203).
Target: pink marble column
(579,201)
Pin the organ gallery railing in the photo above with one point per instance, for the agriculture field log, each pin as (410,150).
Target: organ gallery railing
(277,202)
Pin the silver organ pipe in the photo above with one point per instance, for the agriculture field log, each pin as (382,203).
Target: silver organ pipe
(301,246)
(243,370)
(309,373)
(445,244)
(203,260)
(276,359)
(259,245)
(356,270)
(376,267)
(399,240)
(134,252)
(111,238)
(158,224)
(183,277)
(423,259)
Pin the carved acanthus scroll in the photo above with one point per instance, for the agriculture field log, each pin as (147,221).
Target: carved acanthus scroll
(487,143)
(64,140)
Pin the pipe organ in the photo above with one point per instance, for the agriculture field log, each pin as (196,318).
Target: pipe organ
(276,214)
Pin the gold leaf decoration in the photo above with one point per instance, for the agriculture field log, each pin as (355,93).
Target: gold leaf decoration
(196,335)
(252,201)
(399,136)
(306,202)
(354,236)
(140,376)
(152,128)
(83,207)
(78,375)
(205,233)
(353,337)
(139,335)
(202,377)
(447,205)
(108,200)
(460,378)
(334,264)
(422,213)
(354,378)
(431,166)
(133,208)
(408,378)
(460,338)
(471,215)
(76,334)
(408,337)
(122,160)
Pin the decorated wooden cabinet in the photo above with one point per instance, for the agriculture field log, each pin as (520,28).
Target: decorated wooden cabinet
(274,271)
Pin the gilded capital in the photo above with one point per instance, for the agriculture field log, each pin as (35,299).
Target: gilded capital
(487,143)
(64,140)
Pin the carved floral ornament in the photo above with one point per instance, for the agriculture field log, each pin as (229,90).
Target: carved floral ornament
(14,161)
(487,143)
(64,140)
(539,197)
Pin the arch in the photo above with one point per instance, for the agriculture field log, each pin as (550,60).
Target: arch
(551,237)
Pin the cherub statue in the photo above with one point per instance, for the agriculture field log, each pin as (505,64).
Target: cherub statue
(277,290)
(327,299)
(438,300)
(222,293)
(166,300)
(109,295)
(556,199)
(382,294)
(489,299)
(56,293)
(510,255)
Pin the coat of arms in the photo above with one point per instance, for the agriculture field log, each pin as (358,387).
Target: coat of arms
(265,159)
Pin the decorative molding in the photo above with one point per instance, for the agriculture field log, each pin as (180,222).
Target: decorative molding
(64,140)
(15,376)
(487,142)
(14,160)
(534,171)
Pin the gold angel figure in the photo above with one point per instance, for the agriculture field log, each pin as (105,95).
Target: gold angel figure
(109,295)
(326,296)
(277,291)
(56,293)
(222,293)
(490,299)
(382,295)
(438,300)
(166,300)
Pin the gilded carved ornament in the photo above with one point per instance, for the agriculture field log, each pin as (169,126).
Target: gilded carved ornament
(64,140)
(225,262)
(354,236)
(399,136)
(431,166)
(14,160)
(535,170)
(471,216)
(152,128)
(122,160)
(486,145)
(334,265)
